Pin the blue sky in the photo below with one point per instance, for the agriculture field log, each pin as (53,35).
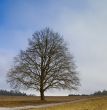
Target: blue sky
(31,15)
(81,22)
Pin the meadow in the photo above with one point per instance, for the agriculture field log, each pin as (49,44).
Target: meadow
(16,101)
(89,104)
(70,102)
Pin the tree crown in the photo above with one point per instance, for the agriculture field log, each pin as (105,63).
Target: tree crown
(45,64)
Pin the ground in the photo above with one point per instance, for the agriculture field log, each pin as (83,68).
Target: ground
(13,101)
(89,104)
(57,102)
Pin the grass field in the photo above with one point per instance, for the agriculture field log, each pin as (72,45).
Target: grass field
(90,104)
(87,103)
(15,101)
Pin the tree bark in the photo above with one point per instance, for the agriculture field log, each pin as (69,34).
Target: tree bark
(42,95)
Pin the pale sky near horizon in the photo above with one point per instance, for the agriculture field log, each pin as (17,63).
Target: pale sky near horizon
(83,24)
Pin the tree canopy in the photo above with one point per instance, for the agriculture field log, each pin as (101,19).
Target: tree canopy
(45,64)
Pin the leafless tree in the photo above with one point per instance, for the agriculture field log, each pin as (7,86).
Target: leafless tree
(45,64)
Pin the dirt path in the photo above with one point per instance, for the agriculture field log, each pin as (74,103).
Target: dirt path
(45,105)
(38,106)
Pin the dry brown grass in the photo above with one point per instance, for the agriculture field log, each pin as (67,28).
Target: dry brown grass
(13,101)
(89,104)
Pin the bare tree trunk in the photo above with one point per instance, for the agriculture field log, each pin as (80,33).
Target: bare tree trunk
(41,89)
(42,95)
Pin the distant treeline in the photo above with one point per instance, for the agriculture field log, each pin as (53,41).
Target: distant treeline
(11,93)
(104,92)
(97,93)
